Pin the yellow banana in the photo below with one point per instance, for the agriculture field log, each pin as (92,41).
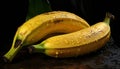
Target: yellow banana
(41,25)
(76,43)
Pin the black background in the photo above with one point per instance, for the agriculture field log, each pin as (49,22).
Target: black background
(12,15)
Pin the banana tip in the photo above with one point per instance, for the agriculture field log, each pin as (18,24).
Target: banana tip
(110,15)
(6,60)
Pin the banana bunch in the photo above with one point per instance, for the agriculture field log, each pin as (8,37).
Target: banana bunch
(37,28)
(75,43)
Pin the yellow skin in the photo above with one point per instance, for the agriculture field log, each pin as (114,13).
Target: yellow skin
(76,43)
(41,25)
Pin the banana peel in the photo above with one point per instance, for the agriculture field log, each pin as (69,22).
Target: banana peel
(76,43)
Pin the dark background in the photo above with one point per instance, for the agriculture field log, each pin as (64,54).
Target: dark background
(13,14)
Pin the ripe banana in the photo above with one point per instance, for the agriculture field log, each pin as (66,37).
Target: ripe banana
(75,43)
(41,25)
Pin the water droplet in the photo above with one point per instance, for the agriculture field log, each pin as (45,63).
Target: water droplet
(56,54)
(66,42)
(77,42)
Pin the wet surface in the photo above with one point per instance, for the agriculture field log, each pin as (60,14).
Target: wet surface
(107,57)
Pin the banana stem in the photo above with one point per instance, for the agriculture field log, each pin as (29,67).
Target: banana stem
(11,54)
(16,46)
(108,17)
(36,48)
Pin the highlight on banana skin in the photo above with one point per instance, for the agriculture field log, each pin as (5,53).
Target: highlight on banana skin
(60,34)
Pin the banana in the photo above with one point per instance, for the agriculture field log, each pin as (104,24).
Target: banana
(41,25)
(75,43)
